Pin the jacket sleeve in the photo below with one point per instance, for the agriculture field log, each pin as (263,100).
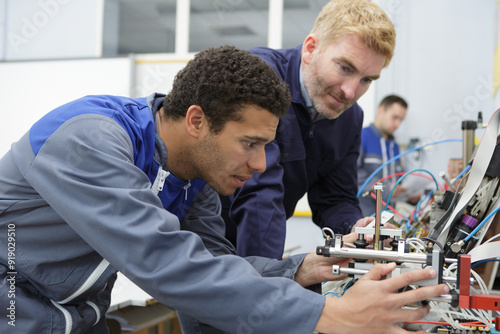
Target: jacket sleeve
(333,199)
(203,218)
(90,180)
(365,169)
(362,172)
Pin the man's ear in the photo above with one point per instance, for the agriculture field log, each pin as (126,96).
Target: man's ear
(308,47)
(380,110)
(196,121)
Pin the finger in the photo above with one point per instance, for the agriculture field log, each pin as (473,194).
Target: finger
(329,261)
(407,315)
(378,271)
(349,238)
(368,220)
(389,225)
(363,222)
(408,278)
(422,293)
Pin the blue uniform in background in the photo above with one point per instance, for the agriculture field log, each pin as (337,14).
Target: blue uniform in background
(376,151)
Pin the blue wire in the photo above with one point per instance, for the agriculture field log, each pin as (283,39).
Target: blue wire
(331,293)
(484,261)
(347,286)
(402,178)
(415,215)
(360,191)
(407,226)
(462,172)
(478,227)
(428,196)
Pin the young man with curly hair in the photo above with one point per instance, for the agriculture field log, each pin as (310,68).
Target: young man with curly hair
(105,184)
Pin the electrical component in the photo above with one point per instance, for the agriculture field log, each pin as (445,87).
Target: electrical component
(442,232)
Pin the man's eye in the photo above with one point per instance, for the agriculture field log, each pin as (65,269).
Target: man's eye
(367,80)
(250,143)
(345,68)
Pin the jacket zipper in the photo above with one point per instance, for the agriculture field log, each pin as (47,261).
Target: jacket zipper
(186,190)
(311,128)
(96,310)
(160,180)
(96,274)
(67,317)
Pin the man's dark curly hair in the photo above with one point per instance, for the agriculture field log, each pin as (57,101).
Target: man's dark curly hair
(222,81)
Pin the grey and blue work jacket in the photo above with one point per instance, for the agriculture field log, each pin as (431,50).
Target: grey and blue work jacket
(86,193)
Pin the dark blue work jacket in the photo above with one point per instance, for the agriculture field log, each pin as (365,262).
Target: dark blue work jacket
(315,157)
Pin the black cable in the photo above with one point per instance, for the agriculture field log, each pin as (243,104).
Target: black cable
(433,241)
(441,223)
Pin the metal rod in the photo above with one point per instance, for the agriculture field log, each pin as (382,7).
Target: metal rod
(378,213)
(443,298)
(468,128)
(369,254)
(337,270)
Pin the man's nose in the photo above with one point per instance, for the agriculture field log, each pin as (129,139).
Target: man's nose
(258,161)
(349,88)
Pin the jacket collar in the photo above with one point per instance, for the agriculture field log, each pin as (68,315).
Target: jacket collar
(155,102)
(378,133)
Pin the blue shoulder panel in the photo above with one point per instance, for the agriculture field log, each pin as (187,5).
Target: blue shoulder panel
(132,114)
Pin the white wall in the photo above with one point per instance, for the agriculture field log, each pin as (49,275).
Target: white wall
(443,66)
(45,29)
(155,73)
(28,90)
(3,23)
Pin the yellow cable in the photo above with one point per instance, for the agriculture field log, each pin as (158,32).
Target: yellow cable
(302,214)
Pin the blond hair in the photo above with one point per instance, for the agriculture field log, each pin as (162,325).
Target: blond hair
(360,18)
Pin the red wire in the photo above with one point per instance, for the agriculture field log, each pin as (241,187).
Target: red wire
(394,175)
(411,215)
(389,207)
(475,323)
(425,322)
